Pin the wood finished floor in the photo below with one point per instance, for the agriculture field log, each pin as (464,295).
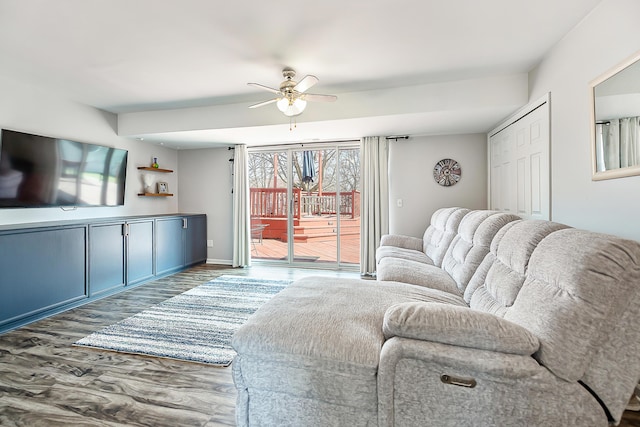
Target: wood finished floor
(44,381)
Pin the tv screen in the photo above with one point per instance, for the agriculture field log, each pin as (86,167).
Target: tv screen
(38,171)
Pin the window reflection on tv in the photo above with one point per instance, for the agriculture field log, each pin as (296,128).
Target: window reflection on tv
(38,171)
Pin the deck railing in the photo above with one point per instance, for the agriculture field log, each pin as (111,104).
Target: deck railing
(272,203)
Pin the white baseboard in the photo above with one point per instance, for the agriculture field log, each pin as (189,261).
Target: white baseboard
(219,261)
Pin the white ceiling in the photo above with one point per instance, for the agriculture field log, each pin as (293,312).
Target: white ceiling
(176,59)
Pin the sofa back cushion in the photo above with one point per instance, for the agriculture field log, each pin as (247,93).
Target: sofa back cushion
(497,281)
(472,243)
(581,298)
(443,228)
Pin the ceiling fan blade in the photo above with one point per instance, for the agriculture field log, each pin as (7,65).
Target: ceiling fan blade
(260,104)
(315,97)
(270,89)
(306,83)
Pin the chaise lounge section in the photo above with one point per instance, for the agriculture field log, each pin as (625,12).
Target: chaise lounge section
(542,334)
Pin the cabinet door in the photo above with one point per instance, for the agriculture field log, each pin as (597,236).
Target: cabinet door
(169,245)
(196,239)
(139,251)
(41,270)
(106,257)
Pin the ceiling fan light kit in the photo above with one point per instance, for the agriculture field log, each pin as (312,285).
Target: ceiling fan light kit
(291,107)
(291,97)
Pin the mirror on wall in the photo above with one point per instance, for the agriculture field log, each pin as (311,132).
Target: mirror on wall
(615,125)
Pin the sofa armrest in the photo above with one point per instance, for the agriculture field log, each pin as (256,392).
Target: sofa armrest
(459,326)
(399,241)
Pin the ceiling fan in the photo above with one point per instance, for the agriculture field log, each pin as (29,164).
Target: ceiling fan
(291,96)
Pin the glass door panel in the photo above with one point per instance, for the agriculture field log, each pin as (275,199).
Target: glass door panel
(315,227)
(269,201)
(349,247)
(305,205)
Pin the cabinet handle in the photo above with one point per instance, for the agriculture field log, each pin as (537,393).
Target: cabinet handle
(125,229)
(184,222)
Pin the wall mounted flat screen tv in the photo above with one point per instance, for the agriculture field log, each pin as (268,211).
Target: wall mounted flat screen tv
(38,171)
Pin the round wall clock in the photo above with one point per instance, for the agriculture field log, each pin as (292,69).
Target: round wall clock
(447,172)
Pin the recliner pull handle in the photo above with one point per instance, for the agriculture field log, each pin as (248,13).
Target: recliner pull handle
(462,382)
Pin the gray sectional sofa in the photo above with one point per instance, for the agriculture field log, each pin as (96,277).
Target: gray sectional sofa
(534,326)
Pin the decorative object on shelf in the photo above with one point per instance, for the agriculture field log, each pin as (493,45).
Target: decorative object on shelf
(149,190)
(147,179)
(447,172)
(155,163)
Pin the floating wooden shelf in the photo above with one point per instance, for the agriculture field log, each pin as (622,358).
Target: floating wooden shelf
(155,194)
(147,168)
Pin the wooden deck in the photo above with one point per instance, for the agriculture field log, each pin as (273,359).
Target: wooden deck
(311,251)
(315,239)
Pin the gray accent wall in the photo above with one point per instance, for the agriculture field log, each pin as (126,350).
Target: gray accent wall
(606,37)
(205,187)
(411,165)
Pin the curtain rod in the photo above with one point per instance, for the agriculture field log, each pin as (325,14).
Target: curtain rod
(302,144)
(286,145)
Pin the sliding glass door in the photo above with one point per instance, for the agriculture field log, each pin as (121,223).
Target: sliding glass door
(305,205)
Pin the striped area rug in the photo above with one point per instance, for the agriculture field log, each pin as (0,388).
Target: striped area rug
(196,325)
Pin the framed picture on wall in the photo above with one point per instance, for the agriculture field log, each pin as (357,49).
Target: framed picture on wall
(163,187)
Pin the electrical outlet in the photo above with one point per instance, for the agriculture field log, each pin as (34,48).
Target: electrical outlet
(209,243)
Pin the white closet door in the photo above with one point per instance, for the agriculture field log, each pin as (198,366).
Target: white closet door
(519,178)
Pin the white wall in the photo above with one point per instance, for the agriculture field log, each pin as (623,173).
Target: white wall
(205,187)
(411,165)
(603,39)
(32,110)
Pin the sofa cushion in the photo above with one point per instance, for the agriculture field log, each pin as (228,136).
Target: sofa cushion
(432,247)
(460,326)
(472,243)
(496,283)
(400,241)
(416,273)
(572,298)
(329,319)
(402,253)
(439,235)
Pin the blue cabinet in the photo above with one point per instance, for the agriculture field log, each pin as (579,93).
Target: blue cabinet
(139,251)
(195,239)
(180,241)
(48,268)
(106,257)
(169,245)
(41,270)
